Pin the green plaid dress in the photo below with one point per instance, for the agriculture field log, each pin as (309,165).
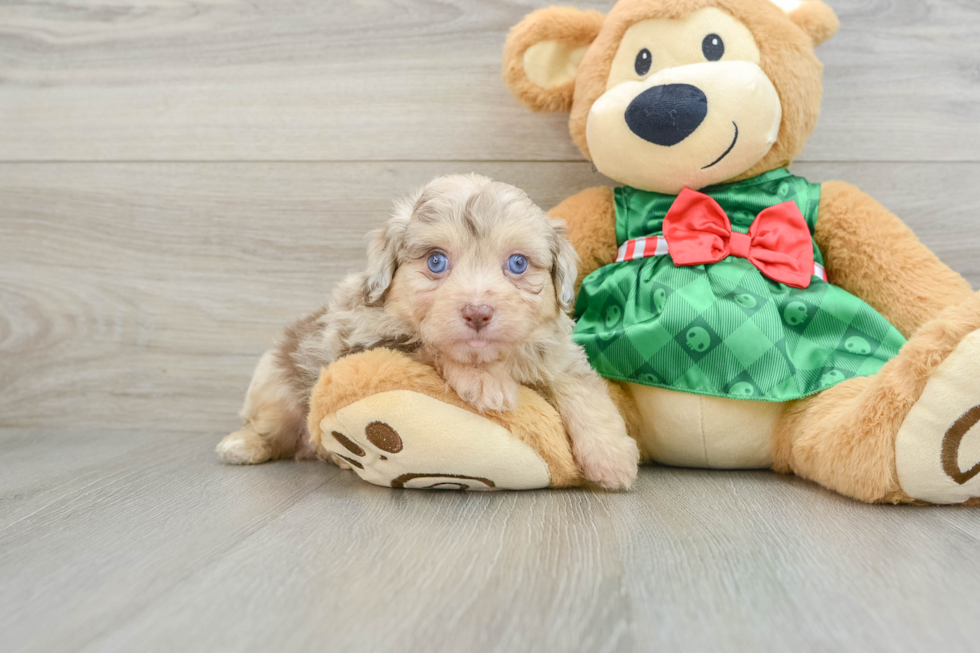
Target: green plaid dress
(724,329)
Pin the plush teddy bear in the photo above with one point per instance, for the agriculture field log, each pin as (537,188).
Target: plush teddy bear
(745,317)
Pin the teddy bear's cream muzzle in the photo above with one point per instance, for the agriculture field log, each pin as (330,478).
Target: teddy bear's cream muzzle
(688,126)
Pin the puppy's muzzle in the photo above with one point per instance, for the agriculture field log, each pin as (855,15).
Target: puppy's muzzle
(477,317)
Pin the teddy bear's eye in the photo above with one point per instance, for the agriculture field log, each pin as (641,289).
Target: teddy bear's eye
(713,47)
(643,61)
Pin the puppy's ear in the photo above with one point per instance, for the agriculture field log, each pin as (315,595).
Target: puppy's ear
(382,252)
(542,55)
(565,268)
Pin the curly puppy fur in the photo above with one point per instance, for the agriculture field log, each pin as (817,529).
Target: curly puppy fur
(440,286)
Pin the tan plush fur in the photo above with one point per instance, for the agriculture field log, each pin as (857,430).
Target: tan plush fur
(535,422)
(627,408)
(844,437)
(591,219)
(563,24)
(787,58)
(870,253)
(817,20)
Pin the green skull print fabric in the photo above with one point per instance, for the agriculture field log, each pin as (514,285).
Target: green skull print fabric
(724,329)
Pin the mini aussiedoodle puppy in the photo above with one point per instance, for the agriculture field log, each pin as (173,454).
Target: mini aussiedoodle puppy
(471,277)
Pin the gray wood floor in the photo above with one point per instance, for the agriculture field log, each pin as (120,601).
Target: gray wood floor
(179,178)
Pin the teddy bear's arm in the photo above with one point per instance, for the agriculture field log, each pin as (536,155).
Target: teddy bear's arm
(591,219)
(870,253)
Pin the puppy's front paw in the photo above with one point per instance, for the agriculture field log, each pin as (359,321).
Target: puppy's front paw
(498,394)
(487,391)
(610,460)
(493,395)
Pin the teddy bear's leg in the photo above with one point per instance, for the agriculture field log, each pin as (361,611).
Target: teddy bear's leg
(905,434)
(396,423)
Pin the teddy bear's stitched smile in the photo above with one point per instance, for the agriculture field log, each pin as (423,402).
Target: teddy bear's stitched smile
(727,152)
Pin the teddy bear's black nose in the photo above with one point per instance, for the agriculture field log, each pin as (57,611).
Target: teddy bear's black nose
(666,115)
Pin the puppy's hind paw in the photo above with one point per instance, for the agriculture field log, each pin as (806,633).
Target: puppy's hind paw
(243,448)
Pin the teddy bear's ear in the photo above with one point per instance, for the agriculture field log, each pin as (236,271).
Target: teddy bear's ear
(813,17)
(542,55)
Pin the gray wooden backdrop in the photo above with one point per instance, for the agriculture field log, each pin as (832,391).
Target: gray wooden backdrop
(179,177)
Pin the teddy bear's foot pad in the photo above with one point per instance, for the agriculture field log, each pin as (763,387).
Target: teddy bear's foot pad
(405,439)
(937,448)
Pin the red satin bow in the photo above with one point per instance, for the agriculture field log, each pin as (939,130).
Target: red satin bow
(778,242)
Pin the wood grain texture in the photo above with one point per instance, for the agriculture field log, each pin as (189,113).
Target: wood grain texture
(337,81)
(126,532)
(228,156)
(131,291)
(180,553)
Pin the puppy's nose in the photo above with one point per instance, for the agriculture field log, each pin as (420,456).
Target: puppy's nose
(477,317)
(666,115)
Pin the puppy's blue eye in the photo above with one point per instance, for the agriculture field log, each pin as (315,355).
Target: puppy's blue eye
(517,264)
(438,263)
